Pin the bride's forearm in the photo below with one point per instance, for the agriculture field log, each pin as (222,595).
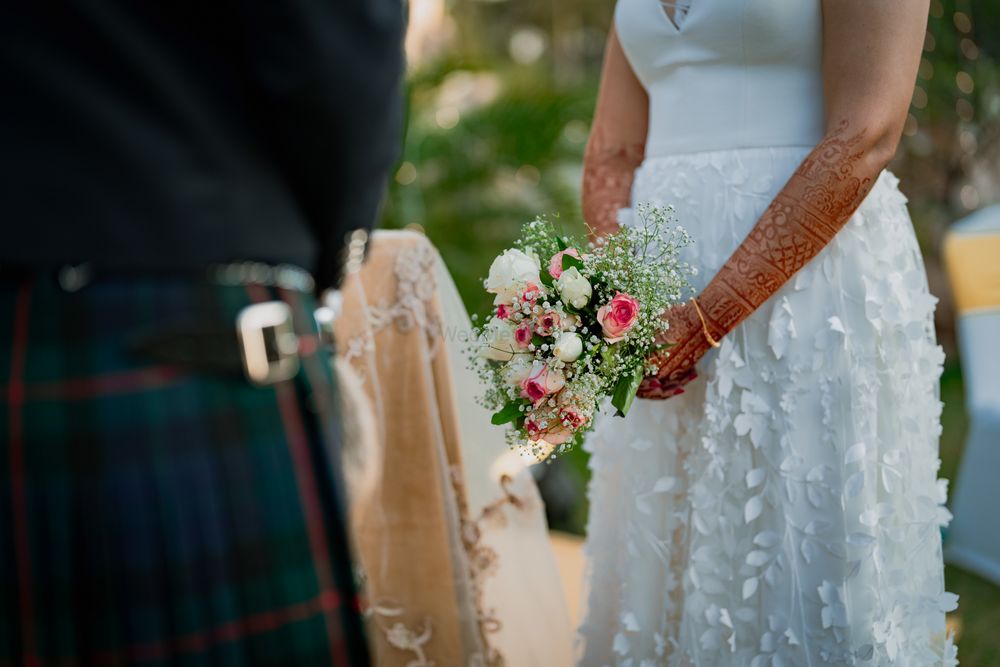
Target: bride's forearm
(608,170)
(818,200)
(617,142)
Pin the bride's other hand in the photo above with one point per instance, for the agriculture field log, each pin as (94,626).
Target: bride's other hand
(616,145)
(687,344)
(653,388)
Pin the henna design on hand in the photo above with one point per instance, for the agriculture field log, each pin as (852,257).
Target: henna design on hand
(815,204)
(608,171)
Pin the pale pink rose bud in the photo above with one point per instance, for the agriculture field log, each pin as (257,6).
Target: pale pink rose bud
(530,294)
(554,381)
(548,323)
(522,335)
(533,387)
(555,264)
(557,435)
(572,419)
(541,382)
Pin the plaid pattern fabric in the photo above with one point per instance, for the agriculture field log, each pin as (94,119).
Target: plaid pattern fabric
(152,515)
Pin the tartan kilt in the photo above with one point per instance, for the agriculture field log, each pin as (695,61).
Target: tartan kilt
(153,514)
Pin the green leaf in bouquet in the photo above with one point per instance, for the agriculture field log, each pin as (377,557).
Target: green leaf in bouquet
(571,261)
(546,278)
(609,355)
(625,390)
(509,413)
(561,242)
(536,340)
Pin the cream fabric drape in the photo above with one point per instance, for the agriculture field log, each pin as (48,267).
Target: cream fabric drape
(449,528)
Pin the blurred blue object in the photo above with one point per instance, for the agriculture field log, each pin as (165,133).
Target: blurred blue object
(972,251)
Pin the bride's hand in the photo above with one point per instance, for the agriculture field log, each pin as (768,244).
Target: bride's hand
(687,345)
(655,389)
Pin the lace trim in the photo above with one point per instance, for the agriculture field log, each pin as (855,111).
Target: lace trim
(401,636)
(410,309)
(483,560)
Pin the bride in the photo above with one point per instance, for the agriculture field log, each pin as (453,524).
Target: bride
(784,510)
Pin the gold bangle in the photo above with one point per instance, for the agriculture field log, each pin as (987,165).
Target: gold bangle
(704,325)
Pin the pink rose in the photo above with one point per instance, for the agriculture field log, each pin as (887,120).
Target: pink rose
(554,381)
(572,419)
(548,324)
(533,390)
(557,435)
(522,335)
(530,294)
(555,264)
(618,316)
(541,382)
(504,311)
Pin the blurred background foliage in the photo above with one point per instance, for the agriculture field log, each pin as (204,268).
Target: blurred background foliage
(500,98)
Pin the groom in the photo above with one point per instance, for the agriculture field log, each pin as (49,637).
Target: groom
(177,179)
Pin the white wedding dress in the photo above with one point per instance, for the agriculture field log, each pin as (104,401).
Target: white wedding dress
(785,511)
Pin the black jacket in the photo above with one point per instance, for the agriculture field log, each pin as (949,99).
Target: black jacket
(169,134)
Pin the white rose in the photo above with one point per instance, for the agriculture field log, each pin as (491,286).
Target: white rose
(568,347)
(530,252)
(574,288)
(497,341)
(517,370)
(509,273)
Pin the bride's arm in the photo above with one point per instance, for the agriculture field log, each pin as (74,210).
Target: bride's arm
(871,52)
(616,144)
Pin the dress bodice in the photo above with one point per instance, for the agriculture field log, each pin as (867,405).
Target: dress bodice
(735,74)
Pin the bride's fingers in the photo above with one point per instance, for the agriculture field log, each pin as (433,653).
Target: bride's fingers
(652,388)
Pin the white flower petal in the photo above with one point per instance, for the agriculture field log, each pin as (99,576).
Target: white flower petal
(753,508)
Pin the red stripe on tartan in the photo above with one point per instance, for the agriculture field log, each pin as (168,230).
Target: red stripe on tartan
(19,492)
(298,445)
(241,628)
(104,384)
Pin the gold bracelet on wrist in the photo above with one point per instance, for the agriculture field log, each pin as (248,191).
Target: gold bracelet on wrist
(704,324)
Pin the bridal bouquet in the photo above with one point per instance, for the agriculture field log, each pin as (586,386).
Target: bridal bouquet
(574,323)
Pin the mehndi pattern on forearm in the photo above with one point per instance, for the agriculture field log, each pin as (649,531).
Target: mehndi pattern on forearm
(818,200)
(608,171)
(814,205)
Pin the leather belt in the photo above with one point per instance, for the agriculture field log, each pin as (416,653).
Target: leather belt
(262,347)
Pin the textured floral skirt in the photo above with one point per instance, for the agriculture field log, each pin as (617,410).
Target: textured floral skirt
(786,510)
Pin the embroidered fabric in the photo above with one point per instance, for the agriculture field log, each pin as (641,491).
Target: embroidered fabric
(449,530)
(785,511)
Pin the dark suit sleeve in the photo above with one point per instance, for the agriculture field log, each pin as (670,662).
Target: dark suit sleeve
(328,75)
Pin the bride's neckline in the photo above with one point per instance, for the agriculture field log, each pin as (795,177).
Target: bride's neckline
(676,14)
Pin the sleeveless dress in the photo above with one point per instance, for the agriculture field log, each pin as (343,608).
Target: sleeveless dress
(785,511)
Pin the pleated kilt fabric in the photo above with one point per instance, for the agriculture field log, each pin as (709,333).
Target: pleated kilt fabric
(156,515)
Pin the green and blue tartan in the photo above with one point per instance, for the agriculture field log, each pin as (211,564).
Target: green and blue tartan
(154,515)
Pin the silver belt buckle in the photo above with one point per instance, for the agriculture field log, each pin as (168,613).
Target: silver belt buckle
(268,344)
